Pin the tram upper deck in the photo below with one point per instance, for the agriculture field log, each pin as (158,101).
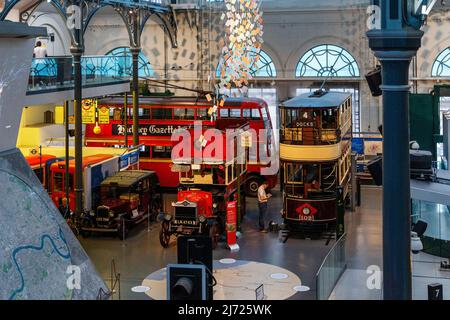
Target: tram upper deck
(315,127)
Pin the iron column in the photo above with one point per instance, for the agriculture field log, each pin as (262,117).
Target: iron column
(66,125)
(135,54)
(77,52)
(394,47)
(125,117)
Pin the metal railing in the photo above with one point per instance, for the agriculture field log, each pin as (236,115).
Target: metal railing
(331,269)
(56,73)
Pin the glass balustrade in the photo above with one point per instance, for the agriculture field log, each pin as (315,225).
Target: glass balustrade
(332,268)
(57,73)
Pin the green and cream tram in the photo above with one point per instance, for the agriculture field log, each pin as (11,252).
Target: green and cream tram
(315,157)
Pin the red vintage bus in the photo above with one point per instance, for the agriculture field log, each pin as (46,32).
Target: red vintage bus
(159,117)
(39,164)
(57,178)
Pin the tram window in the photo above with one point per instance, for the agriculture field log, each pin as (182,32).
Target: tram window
(329,119)
(294,173)
(246,113)
(311,173)
(235,113)
(162,114)
(145,153)
(58,181)
(159,152)
(202,114)
(183,114)
(256,114)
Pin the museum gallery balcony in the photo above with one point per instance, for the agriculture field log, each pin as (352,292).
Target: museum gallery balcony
(53,77)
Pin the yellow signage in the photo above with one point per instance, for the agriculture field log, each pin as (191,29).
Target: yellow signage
(88,108)
(103,115)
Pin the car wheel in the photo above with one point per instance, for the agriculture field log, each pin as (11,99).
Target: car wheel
(164,234)
(214,233)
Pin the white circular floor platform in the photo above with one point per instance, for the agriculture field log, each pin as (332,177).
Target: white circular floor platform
(237,280)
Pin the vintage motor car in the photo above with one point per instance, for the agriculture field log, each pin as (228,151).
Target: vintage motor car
(126,199)
(194,213)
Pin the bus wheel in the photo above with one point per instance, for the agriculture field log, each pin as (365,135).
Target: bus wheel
(164,234)
(251,186)
(214,233)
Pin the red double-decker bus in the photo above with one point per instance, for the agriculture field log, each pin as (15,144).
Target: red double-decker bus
(160,117)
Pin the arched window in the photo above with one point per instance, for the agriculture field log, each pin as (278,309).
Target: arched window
(145,68)
(441,66)
(262,67)
(327,61)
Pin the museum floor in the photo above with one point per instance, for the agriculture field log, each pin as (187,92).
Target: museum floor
(141,253)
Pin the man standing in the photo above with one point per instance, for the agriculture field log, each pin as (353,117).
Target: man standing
(39,51)
(263,198)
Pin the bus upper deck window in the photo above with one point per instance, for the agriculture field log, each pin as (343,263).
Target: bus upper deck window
(235,113)
(256,114)
(144,114)
(246,113)
(202,114)
(264,113)
(224,113)
(183,114)
(162,114)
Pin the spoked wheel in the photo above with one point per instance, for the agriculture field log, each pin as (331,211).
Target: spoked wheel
(214,233)
(251,186)
(164,234)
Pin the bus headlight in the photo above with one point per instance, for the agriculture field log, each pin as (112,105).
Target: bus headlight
(201,218)
(214,205)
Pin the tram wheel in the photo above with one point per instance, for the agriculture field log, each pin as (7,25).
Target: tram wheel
(214,233)
(164,234)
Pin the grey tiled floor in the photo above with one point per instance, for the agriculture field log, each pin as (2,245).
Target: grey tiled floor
(142,254)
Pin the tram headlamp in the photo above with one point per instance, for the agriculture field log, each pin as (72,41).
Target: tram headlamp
(214,205)
(306,211)
(201,218)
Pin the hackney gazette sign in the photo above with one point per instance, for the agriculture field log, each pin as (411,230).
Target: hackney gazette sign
(147,129)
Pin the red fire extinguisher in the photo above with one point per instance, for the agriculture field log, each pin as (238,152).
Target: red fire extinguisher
(231,225)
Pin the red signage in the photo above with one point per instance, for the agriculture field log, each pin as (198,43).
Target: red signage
(306,212)
(231,222)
